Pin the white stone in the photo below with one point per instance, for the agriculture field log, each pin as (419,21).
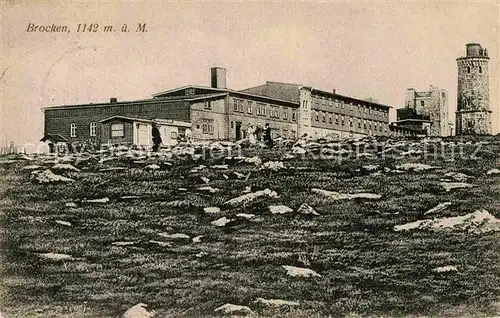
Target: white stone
(230,309)
(455,185)
(280,209)
(479,222)
(255,160)
(32,167)
(276,302)
(163,244)
(298,150)
(71,205)
(221,222)
(457,176)
(152,167)
(139,311)
(48,176)
(440,207)
(212,209)
(205,179)
(197,239)
(65,223)
(444,269)
(493,171)
(102,200)
(306,209)
(123,243)
(300,272)
(55,256)
(247,216)
(175,236)
(220,167)
(65,166)
(415,167)
(239,175)
(346,196)
(209,189)
(246,198)
(273,165)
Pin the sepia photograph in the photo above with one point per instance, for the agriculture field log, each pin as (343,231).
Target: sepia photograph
(249,159)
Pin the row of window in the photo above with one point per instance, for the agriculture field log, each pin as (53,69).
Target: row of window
(347,105)
(341,120)
(92,129)
(480,69)
(260,110)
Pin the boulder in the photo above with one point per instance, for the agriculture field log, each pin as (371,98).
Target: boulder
(230,309)
(300,272)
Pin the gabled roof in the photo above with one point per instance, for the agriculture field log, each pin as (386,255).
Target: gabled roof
(54,138)
(170,91)
(124,118)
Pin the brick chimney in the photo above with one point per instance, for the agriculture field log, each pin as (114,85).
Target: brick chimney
(218,76)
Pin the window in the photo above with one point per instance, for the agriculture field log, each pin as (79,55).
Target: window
(330,102)
(285,114)
(336,119)
(207,126)
(324,118)
(350,122)
(468,69)
(72,130)
(323,101)
(93,129)
(294,115)
(364,124)
(480,70)
(422,103)
(330,118)
(316,116)
(241,106)
(235,105)
(173,135)
(207,105)
(263,110)
(359,123)
(342,123)
(249,107)
(117,130)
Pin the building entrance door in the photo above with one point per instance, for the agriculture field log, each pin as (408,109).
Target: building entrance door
(238,130)
(143,134)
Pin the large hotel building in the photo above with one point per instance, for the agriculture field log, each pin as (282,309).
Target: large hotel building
(217,113)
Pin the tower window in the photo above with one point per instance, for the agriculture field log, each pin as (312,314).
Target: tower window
(422,103)
(480,70)
(468,69)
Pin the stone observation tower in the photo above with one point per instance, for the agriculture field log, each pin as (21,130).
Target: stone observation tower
(473,116)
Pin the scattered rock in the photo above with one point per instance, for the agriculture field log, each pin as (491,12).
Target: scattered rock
(175,236)
(209,189)
(123,243)
(205,179)
(32,167)
(71,205)
(306,209)
(130,197)
(48,176)
(298,150)
(196,169)
(139,311)
(197,239)
(152,167)
(103,200)
(239,175)
(201,254)
(230,309)
(440,207)
(212,209)
(247,216)
(300,272)
(65,223)
(493,171)
(478,222)
(415,167)
(457,176)
(162,244)
(246,198)
(65,167)
(273,165)
(275,302)
(55,256)
(280,209)
(444,269)
(455,185)
(220,167)
(255,160)
(346,196)
(221,222)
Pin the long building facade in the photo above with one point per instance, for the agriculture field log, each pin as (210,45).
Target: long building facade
(217,113)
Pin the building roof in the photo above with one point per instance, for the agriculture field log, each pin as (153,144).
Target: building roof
(54,138)
(124,118)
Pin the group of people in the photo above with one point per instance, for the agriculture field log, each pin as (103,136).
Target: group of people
(251,135)
(267,136)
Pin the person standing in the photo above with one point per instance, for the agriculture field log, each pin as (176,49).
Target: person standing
(268,139)
(155,132)
(251,134)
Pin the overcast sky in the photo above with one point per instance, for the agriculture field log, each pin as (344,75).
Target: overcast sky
(376,49)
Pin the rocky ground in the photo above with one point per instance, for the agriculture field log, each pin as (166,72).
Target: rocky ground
(308,229)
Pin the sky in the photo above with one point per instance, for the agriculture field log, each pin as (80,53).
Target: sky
(361,49)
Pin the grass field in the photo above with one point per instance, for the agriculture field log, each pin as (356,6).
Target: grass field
(366,268)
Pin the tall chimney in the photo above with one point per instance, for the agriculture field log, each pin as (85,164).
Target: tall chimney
(113,100)
(218,77)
